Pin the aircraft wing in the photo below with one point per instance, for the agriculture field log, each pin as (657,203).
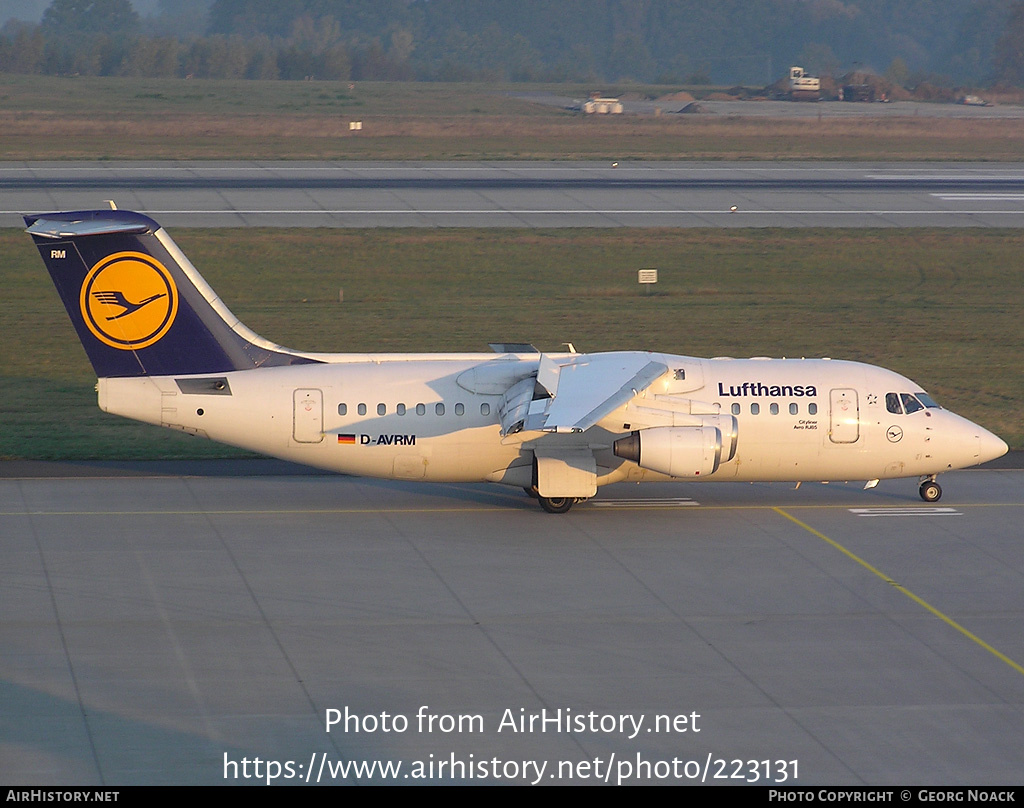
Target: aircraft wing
(586,388)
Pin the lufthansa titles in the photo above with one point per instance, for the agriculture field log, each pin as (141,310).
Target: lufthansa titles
(761,390)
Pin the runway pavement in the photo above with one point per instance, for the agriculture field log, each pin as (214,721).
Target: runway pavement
(516,194)
(175,629)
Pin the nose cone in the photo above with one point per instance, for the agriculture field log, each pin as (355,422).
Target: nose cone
(963,442)
(990,446)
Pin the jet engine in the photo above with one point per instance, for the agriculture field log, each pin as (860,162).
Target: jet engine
(678,451)
(729,427)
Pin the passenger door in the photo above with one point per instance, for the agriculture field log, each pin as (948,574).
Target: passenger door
(308,416)
(844,415)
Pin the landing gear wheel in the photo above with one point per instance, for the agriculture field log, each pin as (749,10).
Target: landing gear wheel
(930,491)
(556,504)
(531,492)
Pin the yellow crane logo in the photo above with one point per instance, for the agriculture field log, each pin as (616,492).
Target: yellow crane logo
(129,301)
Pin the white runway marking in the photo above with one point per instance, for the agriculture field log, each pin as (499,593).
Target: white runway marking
(563,212)
(502,168)
(1000,175)
(980,197)
(560,212)
(666,502)
(916,511)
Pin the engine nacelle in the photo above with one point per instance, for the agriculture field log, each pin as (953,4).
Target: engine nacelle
(678,451)
(729,427)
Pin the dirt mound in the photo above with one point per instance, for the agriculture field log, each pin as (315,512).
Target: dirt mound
(926,91)
(681,97)
(871,87)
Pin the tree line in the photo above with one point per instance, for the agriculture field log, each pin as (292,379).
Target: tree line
(665,41)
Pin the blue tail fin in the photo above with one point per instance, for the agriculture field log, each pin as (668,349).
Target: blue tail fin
(139,306)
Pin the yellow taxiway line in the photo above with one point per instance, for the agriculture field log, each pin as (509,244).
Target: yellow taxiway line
(898,586)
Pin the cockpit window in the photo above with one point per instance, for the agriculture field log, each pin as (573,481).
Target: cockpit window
(899,403)
(911,404)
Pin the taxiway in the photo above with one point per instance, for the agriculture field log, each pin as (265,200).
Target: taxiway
(159,627)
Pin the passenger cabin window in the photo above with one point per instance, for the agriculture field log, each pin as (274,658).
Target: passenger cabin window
(812,409)
(343,409)
(439,409)
(794,408)
(361,409)
(774,409)
(401,409)
(459,409)
(421,409)
(735,409)
(382,409)
(485,409)
(755,409)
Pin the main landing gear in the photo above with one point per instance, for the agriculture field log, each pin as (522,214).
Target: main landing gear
(553,504)
(930,490)
(556,504)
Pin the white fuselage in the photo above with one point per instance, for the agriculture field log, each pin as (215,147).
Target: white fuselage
(436,418)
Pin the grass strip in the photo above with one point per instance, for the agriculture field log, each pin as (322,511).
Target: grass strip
(89,118)
(937,305)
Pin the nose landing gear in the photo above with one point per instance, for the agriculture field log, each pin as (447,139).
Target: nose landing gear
(930,490)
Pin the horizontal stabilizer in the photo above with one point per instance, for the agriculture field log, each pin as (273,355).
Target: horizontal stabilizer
(61,228)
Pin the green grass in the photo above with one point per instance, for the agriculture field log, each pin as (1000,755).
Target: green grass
(90,118)
(119,97)
(939,306)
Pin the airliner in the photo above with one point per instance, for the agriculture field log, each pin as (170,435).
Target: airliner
(167,351)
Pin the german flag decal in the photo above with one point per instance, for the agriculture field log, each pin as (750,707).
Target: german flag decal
(349,439)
